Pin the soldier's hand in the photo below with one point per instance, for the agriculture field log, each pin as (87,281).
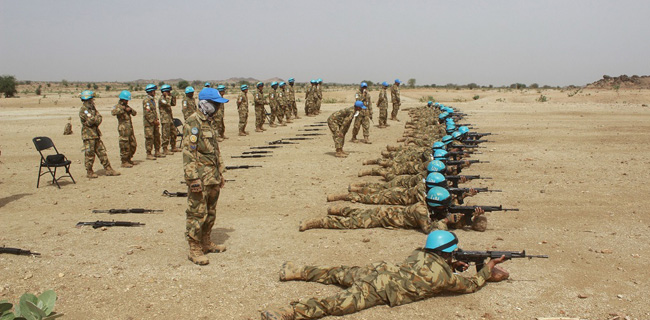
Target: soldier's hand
(157,122)
(195,185)
(494,262)
(478,211)
(460,266)
(222,183)
(128,109)
(462,179)
(472,192)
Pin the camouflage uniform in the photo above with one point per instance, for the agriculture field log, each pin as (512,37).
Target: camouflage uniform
(128,144)
(397,195)
(339,123)
(273,103)
(201,160)
(168,131)
(318,92)
(422,275)
(364,115)
(291,97)
(281,109)
(151,125)
(259,108)
(218,123)
(404,181)
(395,98)
(415,216)
(189,107)
(310,100)
(91,136)
(242,108)
(382,104)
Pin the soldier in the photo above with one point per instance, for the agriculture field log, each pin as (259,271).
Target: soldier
(168,130)
(382,105)
(291,96)
(310,99)
(260,111)
(427,272)
(273,103)
(189,105)
(364,116)
(395,98)
(151,123)
(319,95)
(218,117)
(339,123)
(123,112)
(285,109)
(242,108)
(203,168)
(91,136)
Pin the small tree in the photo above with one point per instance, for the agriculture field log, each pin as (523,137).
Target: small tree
(65,83)
(88,85)
(160,84)
(534,86)
(411,83)
(8,86)
(472,86)
(108,88)
(38,90)
(95,86)
(183,84)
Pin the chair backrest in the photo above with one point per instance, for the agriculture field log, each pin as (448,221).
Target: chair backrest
(178,122)
(42,143)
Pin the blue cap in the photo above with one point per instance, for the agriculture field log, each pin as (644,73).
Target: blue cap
(319,80)
(385,84)
(243,87)
(456,134)
(189,90)
(87,95)
(364,85)
(436,166)
(446,139)
(437,197)
(429,103)
(150,87)
(221,87)
(397,81)
(435,179)
(165,88)
(207,84)
(440,154)
(291,80)
(359,104)
(125,95)
(312,81)
(441,240)
(463,130)
(282,84)
(260,84)
(438,145)
(212,94)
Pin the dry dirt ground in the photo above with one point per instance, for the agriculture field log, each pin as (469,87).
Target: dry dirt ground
(576,166)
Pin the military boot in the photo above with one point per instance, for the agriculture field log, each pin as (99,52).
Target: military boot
(363,173)
(284,313)
(479,223)
(175,149)
(258,130)
(273,125)
(385,154)
(290,272)
(337,197)
(354,139)
(196,254)
(356,185)
(90,174)
(371,161)
(366,140)
(392,148)
(340,154)
(167,152)
(110,172)
(402,139)
(311,224)
(355,189)
(158,154)
(151,156)
(242,133)
(126,164)
(336,211)
(207,246)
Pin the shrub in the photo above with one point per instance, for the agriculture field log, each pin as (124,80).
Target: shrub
(8,86)
(475,97)
(542,98)
(183,84)
(31,307)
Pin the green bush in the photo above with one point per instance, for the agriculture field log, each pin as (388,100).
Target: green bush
(31,307)
(427,99)
(8,86)
(542,98)
(475,97)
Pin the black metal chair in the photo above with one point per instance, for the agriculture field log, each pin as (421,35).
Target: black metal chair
(51,161)
(179,133)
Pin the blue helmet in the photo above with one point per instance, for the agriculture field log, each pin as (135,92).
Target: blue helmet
(440,154)
(221,88)
(87,95)
(436,166)
(212,94)
(291,80)
(438,197)
(359,104)
(429,103)
(438,146)
(437,104)
(207,85)
(443,115)
(165,88)
(397,81)
(274,83)
(385,84)
(150,87)
(319,80)
(463,130)
(441,240)
(446,139)
(435,179)
(282,84)
(243,87)
(260,84)
(125,95)
(189,90)
(451,128)
(312,81)
(364,85)
(456,134)
(450,120)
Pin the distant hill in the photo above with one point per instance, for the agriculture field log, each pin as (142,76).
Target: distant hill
(621,82)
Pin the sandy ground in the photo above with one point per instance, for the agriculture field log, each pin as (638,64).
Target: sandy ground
(575,165)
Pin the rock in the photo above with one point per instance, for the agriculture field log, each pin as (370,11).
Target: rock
(606,251)
(160,231)
(29,275)
(365,240)
(104,228)
(61,275)
(583,296)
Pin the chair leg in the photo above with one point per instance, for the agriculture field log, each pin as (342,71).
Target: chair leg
(67,170)
(54,180)
(38,181)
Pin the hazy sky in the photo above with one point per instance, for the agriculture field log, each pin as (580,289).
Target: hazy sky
(487,42)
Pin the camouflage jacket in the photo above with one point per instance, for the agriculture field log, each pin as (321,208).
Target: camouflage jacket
(201,155)
(342,117)
(150,116)
(123,116)
(242,101)
(291,94)
(90,121)
(258,98)
(282,96)
(309,94)
(394,94)
(165,104)
(382,100)
(188,107)
(319,92)
(364,96)
(273,98)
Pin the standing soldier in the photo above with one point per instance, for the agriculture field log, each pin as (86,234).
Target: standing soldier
(319,94)
(273,103)
(218,121)
(165,104)
(364,115)
(260,112)
(123,112)
(339,123)
(203,168)
(242,107)
(382,104)
(291,96)
(91,136)
(395,98)
(151,123)
(283,111)
(310,99)
(189,105)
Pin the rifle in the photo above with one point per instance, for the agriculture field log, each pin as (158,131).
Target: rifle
(266,147)
(478,257)
(253,156)
(241,167)
(174,194)
(227,180)
(268,115)
(478,134)
(463,125)
(256,152)
(464,146)
(325,122)
(316,125)
(475,141)
(136,210)
(17,251)
(468,211)
(461,162)
(460,191)
(100,224)
(299,138)
(310,134)
(281,142)
(454,179)
(315,129)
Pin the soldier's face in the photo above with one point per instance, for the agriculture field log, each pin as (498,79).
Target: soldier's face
(190,95)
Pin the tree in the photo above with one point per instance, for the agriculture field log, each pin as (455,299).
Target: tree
(8,86)
(534,86)
(472,86)
(38,90)
(370,83)
(95,86)
(108,88)
(411,83)
(183,84)
(65,83)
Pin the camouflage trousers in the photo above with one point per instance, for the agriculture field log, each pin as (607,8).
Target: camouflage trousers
(128,145)
(309,107)
(362,120)
(168,133)
(281,113)
(404,217)
(338,133)
(394,196)
(259,116)
(94,147)
(294,108)
(383,115)
(317,105)
(243,118)
(393,113)
(152,138)
(404,181)
(201,211)
(274,115)
(286,112)
(220,127)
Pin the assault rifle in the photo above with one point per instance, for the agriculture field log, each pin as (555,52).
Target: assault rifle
(100,224)
(460,191)
(310,134)
(454,179)
(136,210)
(475,141)
(468,211)
(464,125)
(17,251)
(253,156)
(479,257)
(241,167)
(315,129)
(297,138)
(266,147)
(227,180)
(316,125)
(461,162)
(465,146)
(174,194)
(256,152)
(274,142)
(267,114)
(479,134)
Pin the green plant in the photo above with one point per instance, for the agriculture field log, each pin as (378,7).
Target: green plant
(542,98)
(183,84)
(330,100)
(475,97)
(411,82)
(31,307)
(8,86)
(38,90)
(427,99)
(108,88)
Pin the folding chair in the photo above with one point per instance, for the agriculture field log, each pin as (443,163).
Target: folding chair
(179,133)
(51,161)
